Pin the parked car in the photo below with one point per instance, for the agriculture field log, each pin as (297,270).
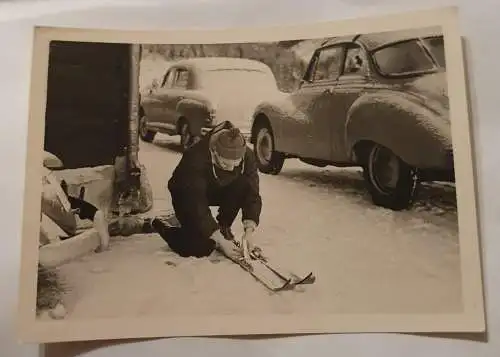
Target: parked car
(378,101)
(197,93)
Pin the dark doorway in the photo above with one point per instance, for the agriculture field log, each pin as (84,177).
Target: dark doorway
(87,113)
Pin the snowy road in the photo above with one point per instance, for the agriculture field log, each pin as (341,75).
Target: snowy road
(366,259)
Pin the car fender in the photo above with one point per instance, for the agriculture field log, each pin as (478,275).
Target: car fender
(276,113)
(195,111)
(418,135)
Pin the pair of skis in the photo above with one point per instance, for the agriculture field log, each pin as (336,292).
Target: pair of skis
(271,276)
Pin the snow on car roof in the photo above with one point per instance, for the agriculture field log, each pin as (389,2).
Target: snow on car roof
(215,63)
(374,40)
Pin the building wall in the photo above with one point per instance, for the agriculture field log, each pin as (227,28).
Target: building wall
(87,116)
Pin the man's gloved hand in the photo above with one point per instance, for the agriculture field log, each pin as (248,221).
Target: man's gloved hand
(248,235)
(249,225)
(228,248)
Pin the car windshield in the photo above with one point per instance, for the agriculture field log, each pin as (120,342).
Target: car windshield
(436,47)
(410,57)
(231,79)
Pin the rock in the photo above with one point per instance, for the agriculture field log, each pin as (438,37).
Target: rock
(146,192)
(59,312)
(57,253)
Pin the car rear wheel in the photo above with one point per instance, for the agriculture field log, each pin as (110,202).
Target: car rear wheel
(144,133)
(269,161)
(392,183)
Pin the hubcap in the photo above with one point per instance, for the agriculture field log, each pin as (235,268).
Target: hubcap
(264,146)
(384,169)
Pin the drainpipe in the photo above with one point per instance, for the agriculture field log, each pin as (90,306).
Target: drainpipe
(133,147)
(129,199)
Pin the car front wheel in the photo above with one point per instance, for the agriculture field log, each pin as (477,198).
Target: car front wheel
(269,161)
(392,183)
(144,133)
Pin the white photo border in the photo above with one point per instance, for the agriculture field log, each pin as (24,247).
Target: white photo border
(472,318)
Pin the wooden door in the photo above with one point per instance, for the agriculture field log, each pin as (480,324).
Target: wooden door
(87,113)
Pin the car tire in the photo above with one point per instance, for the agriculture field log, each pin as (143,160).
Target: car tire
(145,134)
(186,138)
(392,183)
(268,160)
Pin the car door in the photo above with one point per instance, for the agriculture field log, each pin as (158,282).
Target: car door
(354,80)
(311,128)
(180,89)
(165,95)
(156,100)
(149,101)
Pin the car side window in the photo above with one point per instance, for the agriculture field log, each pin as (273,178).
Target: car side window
(168,79)
(181,79)
(355,61)
(329,64)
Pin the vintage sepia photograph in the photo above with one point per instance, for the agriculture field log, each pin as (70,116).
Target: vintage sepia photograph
(312,179)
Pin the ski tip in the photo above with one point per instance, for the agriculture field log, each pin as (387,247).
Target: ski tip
(308,279)
(289,285)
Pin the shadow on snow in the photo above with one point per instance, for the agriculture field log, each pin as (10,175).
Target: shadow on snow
(434,200)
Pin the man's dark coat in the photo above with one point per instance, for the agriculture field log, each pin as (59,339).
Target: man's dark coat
(196,185)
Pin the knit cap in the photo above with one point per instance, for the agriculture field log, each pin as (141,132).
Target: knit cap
(229,144)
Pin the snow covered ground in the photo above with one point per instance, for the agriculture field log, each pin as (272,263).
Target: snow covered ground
(366,259)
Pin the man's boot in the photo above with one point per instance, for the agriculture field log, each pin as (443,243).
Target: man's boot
(147,226)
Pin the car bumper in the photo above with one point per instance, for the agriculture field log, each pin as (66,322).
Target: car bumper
(444,172)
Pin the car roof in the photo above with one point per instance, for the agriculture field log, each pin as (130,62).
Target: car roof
(374,40)
(215,63)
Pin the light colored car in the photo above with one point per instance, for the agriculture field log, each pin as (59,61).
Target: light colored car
(378,101)
(198,93)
